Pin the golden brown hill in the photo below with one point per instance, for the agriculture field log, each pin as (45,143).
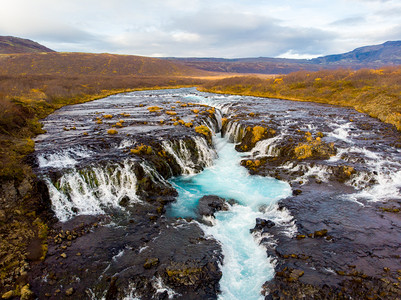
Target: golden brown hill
(376,92)
(74,64)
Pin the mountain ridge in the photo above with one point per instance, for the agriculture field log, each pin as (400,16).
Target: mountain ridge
(373,56)
(11,44)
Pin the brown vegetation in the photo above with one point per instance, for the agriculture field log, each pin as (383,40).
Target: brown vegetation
(78,64)
(375,92)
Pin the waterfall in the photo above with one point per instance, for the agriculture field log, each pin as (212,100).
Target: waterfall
(92,190)
(267,147)
(234,132)
(189,161)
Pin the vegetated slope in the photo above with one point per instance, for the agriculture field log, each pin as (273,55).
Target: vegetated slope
(10,44)
(375,56)
(375,92)
(73,64)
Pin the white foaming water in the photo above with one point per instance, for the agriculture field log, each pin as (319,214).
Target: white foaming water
(341,132)
(160,287)
(63,159)
(183,156)
(90,191)
(246,266)
(267,147)
(234,133)
(384,172)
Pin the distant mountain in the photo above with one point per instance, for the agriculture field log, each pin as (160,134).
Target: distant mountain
(10,44)
(21,56)
(376,56)
(75,64)
(260,65)
(388,53)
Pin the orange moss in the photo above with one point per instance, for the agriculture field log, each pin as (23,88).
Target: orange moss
(154,108)
(202,129)
(142,149)
(257,132)
(112,131)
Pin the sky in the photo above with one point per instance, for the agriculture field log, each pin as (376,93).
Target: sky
(204,28)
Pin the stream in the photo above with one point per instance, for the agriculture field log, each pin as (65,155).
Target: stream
(245,266)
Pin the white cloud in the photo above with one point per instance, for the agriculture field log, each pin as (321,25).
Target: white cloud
(222,28)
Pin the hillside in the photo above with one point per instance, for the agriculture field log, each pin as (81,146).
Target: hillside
(375,56)
(10,44)
(388,53)
(73,64)
(374,92)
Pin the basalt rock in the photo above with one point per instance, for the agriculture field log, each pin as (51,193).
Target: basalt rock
(263,225)
(208,205)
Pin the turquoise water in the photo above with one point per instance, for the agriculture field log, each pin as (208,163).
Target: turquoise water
(246,266)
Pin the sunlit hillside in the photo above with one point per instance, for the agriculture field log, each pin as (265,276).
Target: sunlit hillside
(375,92)
(72,64)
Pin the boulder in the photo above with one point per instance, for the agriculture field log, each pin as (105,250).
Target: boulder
(208,205)
(262,225)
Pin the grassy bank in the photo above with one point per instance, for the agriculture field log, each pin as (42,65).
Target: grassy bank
(375,92)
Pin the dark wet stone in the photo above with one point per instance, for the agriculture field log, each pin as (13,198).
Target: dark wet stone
(151,262)
(124,201)
(263,225)
(296,192)
(208,205)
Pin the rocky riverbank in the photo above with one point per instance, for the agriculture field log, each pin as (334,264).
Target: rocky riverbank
(347,239)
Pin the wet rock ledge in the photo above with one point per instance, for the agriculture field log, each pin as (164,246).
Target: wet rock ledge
(342,245)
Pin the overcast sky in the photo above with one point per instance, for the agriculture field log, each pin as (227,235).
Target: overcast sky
(204,28)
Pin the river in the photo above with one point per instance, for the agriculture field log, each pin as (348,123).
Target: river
(142,184)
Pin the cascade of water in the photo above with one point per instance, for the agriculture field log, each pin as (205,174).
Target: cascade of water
(63,159)
(266,147)
(246,266)
(187,166)
(234,132)
(90,191)
(188,162)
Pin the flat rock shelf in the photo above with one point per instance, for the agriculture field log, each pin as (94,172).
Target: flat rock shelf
(179,194)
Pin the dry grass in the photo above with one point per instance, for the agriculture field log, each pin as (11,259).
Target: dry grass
(375,92)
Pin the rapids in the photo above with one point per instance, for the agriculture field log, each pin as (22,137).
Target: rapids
(245,267)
